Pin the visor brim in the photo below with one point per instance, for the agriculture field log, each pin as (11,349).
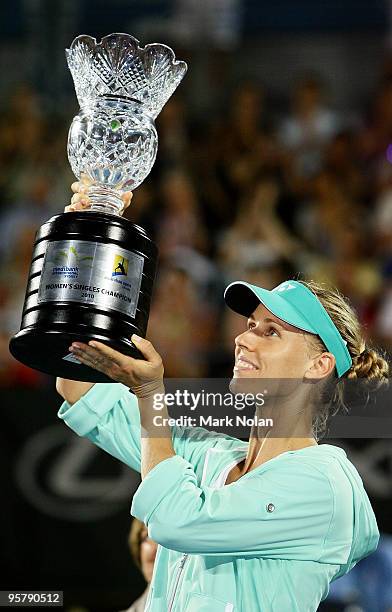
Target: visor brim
(244,298)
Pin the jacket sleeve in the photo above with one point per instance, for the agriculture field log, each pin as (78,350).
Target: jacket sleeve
(108,415)
(285,512)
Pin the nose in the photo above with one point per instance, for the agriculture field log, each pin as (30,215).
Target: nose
(244,340)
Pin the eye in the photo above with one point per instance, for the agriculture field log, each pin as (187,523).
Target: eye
(274,330)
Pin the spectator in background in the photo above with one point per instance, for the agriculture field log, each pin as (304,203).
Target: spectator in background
(368,587)
(376,135)
(13,278)
(383,222)
(341,161)
(181,323)
(310,126)
(257,235)
(30,211)
(240,145)
(143,551)
(21,130)
(321,220)
(179,220)
(383,323)
(32,149)
(144,209)
(172,125)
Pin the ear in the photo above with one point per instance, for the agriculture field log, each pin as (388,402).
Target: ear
(320,366)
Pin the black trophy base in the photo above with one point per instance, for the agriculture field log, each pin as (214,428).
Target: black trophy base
(48,352)
(54,317)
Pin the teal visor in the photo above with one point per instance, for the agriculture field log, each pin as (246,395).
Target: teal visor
(295,304)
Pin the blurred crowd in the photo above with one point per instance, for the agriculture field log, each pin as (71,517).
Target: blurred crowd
(250,192)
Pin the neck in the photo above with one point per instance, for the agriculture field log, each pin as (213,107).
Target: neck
(291,430)
(260,451)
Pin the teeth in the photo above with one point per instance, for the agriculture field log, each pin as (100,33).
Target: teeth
(245,365)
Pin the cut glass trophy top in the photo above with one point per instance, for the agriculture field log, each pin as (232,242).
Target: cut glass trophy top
(118,66)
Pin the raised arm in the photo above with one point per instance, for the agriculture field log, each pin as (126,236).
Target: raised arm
(72,390)
(287,509)
(108,415)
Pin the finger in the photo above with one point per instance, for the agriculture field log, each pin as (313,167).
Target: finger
(88,360)
(80,200)
(146,348)
(106,351)
(85,179)
(88,350)
(94,359)
(78,197)
(108,368)
(75,207)
(126,198)
(80,206)
(69,208)
(79,187)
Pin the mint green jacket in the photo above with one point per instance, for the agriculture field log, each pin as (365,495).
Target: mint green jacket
(270,542)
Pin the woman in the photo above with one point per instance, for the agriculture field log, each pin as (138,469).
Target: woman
(258,526)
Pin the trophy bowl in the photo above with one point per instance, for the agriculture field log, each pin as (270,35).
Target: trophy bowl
(92,272)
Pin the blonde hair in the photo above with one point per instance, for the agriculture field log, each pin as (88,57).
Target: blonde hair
(367,363)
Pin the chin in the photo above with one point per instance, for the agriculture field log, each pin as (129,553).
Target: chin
(247,382)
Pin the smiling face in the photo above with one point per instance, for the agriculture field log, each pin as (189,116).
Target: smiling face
(271,349)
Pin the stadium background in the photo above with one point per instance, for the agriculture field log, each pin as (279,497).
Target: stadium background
(274,158)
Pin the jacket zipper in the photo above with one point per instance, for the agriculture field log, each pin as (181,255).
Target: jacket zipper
(185,555)
(181,567)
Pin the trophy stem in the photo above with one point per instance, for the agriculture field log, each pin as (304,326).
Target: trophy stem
(105,200)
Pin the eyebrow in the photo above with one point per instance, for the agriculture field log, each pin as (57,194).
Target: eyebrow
(268,320)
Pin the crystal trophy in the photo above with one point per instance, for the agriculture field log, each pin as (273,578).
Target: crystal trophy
(92,272)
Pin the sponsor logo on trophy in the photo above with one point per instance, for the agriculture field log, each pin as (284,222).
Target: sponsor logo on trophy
(120,266)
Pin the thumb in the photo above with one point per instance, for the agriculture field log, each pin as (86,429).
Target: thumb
(126,198)
(146,348)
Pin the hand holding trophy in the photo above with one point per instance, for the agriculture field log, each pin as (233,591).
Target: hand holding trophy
(81,200)
(92,271)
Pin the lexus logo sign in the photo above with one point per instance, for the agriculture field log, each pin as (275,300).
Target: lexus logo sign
(54,473)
